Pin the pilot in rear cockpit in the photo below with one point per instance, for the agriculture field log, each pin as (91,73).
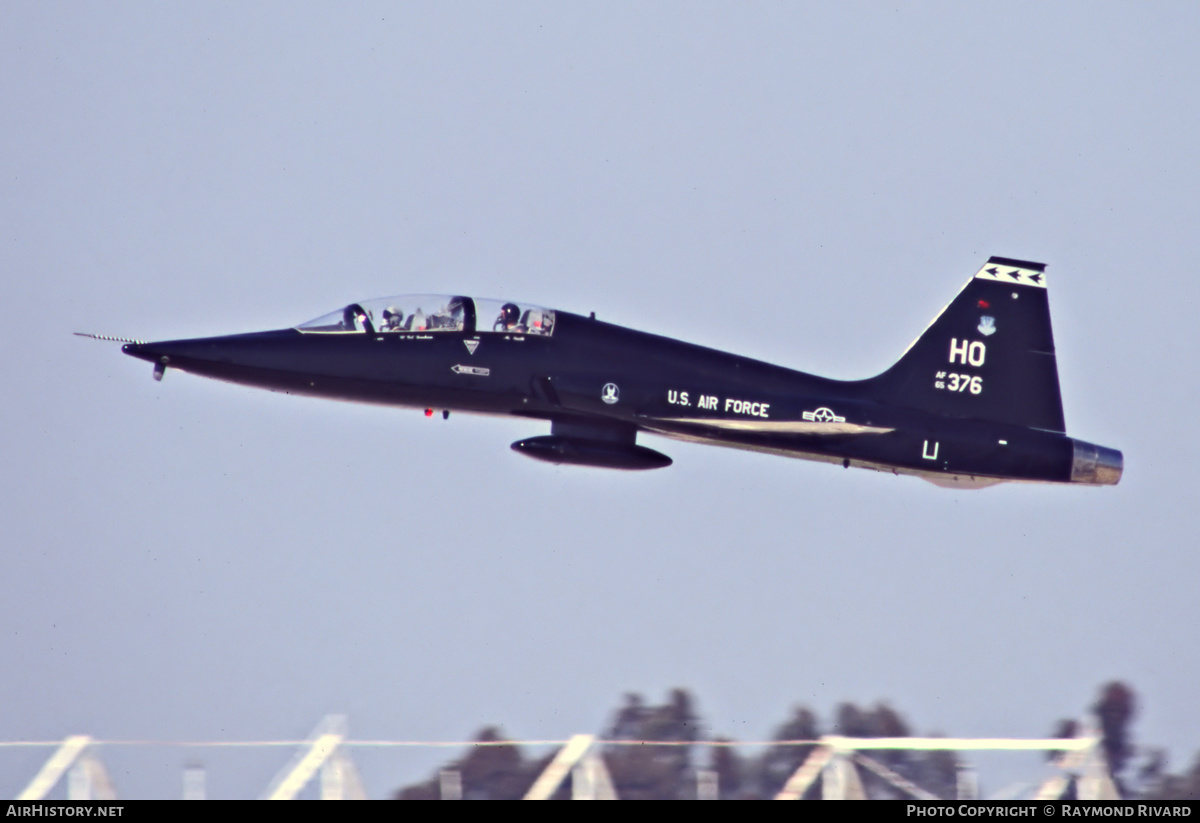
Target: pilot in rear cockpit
(393,319)
(509,319)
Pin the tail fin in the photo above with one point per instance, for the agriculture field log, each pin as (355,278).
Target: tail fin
(988,356)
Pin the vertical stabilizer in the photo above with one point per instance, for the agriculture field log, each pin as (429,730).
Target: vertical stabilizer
(988,356)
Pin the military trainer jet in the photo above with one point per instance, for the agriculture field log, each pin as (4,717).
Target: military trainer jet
(973,401)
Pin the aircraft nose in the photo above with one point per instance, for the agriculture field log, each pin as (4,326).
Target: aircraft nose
(228,348)
(149,351)
(172,349)
(213,356)
(139,350)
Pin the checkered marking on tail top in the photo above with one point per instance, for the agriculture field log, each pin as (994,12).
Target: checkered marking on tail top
(1013,275)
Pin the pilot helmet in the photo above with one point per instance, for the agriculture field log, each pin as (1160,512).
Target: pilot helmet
(510,313)
(392,315)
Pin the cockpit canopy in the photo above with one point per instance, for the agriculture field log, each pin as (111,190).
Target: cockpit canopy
(434,313)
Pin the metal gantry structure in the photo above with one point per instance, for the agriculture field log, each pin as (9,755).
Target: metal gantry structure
(834,759)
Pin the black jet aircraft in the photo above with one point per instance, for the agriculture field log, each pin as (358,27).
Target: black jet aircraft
(973,401)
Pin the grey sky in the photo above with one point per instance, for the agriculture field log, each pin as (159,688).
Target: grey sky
(807,184)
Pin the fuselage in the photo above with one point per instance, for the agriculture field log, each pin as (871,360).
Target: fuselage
(601,381)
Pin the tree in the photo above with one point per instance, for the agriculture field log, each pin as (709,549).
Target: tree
(652,772)
(1114,709)
(936,772)
(492,772)
(780,762)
